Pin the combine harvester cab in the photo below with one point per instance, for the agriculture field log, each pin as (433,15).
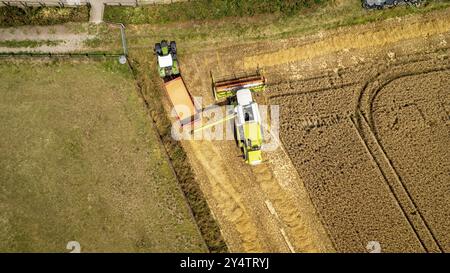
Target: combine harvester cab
(225,88)
(248,127)
(176,90)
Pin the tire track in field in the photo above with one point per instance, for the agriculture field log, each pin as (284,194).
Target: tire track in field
(428,238)
(407,206)
(391,177)
(366,129)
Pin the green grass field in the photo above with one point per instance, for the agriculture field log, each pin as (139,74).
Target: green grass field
(206,10)
(18,16)
(79,161)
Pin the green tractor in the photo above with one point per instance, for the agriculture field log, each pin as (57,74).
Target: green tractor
(167,59)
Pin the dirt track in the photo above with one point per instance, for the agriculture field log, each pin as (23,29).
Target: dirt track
(68,40)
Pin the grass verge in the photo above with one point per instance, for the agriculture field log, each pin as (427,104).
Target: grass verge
(205,10)
(194,35)
(18,16)
(29,43)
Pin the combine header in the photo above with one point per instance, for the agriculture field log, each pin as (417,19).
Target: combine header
(228,86)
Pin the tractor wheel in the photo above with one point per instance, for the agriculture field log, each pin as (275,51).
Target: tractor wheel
(162,72)
(158,49)
(175,69)
(416,3)
(173,47)
(231,100)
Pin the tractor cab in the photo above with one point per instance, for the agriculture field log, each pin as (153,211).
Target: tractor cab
(165,61)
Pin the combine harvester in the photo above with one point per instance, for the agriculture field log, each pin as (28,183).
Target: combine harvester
(237,90)
(169,71)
